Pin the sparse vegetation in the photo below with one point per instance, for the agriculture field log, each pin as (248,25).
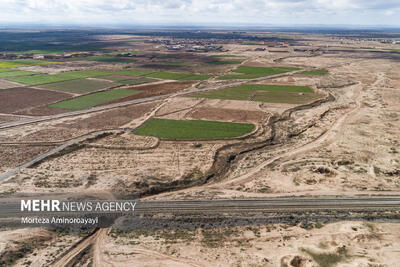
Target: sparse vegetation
(328,259)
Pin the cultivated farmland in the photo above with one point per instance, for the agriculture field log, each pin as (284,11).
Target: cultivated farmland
(79,86)
(168,75)
(10,64)
(193,129)
(10,99)
(314,72)
(225,62)
(43,79)
(94,99)
(16,73)
(264,93)
(248,72)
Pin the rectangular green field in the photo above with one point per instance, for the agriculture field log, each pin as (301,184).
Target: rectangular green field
(287,98)
(53,78)
(225,55)
(10,64)
(135,72)
(34,62)
(37,51)
(264,93)
(176,63)
(137,81)
(196,77)
(165,75)
(79,86)
(249,72)
(92,100)
(193,129)
(16,73)
(168,75)
(314,72)
(225,62)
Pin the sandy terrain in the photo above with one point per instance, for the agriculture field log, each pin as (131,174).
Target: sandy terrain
(350,243)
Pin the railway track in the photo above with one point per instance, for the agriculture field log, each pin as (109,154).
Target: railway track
(227,206)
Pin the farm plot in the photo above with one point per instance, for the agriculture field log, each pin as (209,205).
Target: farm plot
(128,80)
(94,99)
(79,86)
(23,98)
(135,72)
(168,75)
(150,90)
(23,63)
(225,62)
(314,72)
(225,55)
(179,76)
(16,73)
(193,129)
(28,61)
(52,78)
(176,63)
(10,64)
(289,94)
(248,72)
(137,81)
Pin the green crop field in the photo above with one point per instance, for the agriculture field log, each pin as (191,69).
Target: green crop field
(225,55)
(94,99)
(179,76)
(288,98)
(248,72)
(137,81)
(177,63)
(37,51)
(193,129)
(164,75)
(249,43)
(79,86)
(264,93)
(196,77)
(16,73)
(225,62)
(135,72)
(314,72)
(52,78)
(168,75)
(28,61)
(23,63)
(10,64)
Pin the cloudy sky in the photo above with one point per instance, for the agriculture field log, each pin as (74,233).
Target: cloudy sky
(202,12)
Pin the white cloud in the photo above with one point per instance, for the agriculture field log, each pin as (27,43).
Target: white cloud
(202,11)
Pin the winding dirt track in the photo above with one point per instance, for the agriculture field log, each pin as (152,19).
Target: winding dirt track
(326,138)
(71,256)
